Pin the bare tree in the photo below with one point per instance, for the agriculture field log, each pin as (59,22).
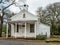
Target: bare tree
(53,10)
(9,3)
(41,13)
(51,16)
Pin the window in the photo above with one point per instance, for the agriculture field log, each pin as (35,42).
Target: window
(23,15)
(31,28)
(17,28)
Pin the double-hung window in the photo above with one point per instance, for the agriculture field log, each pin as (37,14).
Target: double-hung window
(31,28)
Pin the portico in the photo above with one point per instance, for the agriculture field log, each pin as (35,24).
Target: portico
(23,29)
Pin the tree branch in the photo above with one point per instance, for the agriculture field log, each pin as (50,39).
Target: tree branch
(9,5)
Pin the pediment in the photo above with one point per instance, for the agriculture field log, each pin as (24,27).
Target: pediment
(24,16)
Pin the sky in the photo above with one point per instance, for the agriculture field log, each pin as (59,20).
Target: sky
(34,4)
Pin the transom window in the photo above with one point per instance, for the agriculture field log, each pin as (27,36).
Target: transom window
(31,28)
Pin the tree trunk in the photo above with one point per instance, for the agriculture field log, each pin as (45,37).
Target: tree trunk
(1,25)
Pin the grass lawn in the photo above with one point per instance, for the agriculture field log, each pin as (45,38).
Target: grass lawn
(54,43)
(54,39)
(43,42)
(50,43)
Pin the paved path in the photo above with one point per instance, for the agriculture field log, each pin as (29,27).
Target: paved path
(8,42)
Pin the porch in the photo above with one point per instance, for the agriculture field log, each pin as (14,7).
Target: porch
(23,29)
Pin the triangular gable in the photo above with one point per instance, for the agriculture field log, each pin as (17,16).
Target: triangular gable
(19,16)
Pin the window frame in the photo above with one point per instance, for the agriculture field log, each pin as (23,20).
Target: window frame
(32,28)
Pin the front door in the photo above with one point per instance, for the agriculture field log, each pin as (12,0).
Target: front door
(22,29)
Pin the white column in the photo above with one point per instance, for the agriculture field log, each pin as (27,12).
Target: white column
(15,29)
(35,28)
(7,31)
(25,29)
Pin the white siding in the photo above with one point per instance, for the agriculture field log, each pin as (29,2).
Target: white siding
(43,30)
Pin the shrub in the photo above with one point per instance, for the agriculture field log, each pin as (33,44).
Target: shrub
(41,37)
(56,33)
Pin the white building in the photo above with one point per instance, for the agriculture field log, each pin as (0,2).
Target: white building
(26,25)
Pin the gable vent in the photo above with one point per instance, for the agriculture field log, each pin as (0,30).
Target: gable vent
(23,15)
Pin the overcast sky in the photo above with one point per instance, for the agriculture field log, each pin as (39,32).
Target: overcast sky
(34,4)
